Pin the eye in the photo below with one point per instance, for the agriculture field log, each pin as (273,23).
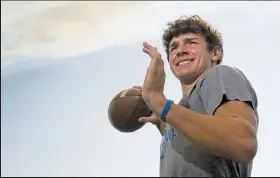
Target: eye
(193,42)
(172,48)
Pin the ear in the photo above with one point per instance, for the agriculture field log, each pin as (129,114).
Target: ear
(217,54)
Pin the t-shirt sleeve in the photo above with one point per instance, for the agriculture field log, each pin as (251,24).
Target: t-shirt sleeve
(223,83)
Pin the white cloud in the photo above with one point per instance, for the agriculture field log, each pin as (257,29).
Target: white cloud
(63,29)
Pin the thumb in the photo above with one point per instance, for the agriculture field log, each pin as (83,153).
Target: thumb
(150,119)
(137,87)
(144,119)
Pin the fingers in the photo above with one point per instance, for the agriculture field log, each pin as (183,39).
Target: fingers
(147,45)
(146,50)
(149,49)
(137,87)
(153,53)
(144,120)
(152,119)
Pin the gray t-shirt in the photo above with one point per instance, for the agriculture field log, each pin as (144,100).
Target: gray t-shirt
(179,157)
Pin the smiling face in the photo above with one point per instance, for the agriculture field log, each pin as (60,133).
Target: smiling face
(189,56)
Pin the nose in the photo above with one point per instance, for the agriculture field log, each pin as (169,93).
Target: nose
(182,50)
(182,53)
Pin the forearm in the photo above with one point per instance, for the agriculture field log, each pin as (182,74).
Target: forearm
(161,126)
(226,137)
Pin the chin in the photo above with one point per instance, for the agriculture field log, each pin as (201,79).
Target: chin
(185,73)
(187,76)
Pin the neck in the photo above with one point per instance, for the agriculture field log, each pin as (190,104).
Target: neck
(186,85)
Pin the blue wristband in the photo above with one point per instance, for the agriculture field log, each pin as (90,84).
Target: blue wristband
(165,110)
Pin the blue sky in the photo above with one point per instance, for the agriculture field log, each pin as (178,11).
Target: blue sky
(62,62)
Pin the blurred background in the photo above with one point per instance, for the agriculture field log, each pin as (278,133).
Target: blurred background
(62,62)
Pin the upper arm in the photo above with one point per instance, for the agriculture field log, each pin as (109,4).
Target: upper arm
(238,110)
(227,92)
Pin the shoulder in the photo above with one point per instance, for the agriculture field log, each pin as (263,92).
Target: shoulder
(225,82)
(220,75)
(222,72)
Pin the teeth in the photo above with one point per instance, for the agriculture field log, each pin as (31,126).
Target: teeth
(184,62)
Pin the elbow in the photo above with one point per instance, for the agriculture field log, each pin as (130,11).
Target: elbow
(248,151)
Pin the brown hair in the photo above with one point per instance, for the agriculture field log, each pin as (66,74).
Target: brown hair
(193,24)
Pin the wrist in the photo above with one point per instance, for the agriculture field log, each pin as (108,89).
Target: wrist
(157,104)
(165,110)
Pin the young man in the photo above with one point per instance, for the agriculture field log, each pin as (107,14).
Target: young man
(212,131)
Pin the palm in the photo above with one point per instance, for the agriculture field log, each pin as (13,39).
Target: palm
(152,118)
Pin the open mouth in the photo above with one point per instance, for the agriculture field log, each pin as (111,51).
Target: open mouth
(183,62)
